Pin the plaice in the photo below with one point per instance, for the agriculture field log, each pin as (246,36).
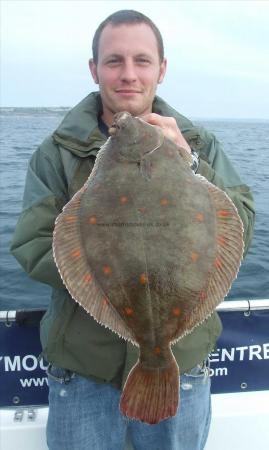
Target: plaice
(149,249)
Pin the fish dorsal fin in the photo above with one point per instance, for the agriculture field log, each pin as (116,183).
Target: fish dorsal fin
(76,273)
(227,259)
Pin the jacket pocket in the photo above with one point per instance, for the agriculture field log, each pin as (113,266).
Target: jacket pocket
(54,324)
(90,349)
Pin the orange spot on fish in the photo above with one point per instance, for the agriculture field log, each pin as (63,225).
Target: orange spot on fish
(70,219)
(176,311)
(76,253)
(221,240)
(105,301)
(202,295)
(170,152)
(143,278)
(164,201)
(157,350)
(223,213)
(200,217)
(87,278)
(128,311)
(218,263)
(107,270)
(142,209)
(92,220)
(194,256)
(123,199)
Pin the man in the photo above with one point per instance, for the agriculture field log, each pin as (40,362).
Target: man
(89,363)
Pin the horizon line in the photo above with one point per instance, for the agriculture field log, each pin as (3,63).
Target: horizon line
(192,117)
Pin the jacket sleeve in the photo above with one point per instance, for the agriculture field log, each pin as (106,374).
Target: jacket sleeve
(44,196)
(217,168)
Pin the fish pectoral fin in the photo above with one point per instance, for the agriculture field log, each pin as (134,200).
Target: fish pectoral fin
(76,273)
(145,167)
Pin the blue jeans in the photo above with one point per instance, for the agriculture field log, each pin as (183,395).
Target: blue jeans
(84,415)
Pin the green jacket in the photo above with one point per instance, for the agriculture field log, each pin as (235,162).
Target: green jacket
(70,337)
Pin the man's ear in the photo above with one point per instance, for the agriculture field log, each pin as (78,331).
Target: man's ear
(162,70)
(93,70)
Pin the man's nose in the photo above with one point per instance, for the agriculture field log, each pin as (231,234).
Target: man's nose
(128,72)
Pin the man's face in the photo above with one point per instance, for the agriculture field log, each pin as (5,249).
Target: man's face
(128,69)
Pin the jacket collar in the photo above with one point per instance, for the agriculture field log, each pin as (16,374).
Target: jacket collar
(79,132)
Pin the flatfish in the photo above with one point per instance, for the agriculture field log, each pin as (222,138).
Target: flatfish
(149,249)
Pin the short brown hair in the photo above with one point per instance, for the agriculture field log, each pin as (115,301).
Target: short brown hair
(126,16)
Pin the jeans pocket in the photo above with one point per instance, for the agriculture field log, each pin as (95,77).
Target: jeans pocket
(63,376)
(199,372)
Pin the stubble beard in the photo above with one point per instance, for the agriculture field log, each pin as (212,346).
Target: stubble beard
(136,110)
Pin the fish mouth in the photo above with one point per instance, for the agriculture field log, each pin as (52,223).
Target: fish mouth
(118,122)
(113,129)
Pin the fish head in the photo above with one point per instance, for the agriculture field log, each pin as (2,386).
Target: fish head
(133,136)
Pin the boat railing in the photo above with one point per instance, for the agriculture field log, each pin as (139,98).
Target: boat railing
(32,317)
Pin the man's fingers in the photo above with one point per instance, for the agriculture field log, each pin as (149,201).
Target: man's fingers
(156,119)
(169,127)
(151,117)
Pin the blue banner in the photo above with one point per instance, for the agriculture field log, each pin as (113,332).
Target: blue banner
(23,379)
(239,363)
(241,359)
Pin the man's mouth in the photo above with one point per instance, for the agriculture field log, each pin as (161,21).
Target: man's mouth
(127,91)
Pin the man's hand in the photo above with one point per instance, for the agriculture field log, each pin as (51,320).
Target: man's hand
(169,128)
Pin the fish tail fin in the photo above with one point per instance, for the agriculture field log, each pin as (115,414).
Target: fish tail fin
(151,395)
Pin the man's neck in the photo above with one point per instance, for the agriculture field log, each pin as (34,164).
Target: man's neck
(103,127)
(107,117)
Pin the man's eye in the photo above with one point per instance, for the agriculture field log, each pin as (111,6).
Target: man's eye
(143,61)
(112,62)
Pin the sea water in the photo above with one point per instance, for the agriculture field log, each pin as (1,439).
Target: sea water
(23,129)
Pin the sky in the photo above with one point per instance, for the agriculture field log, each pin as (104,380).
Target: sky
(217,51)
